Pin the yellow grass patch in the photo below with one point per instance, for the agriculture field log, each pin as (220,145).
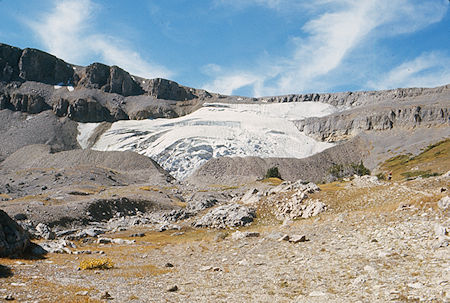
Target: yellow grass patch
(149,188)
(273,181)
(103,263)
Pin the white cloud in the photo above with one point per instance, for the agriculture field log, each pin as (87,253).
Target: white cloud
(427,70)
(226,84)
(66,33)
(336,29)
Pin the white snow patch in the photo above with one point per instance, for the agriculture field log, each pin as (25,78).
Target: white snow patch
(69,87)
(183,144)
(85,131)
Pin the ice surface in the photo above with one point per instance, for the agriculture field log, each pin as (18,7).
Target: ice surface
(85,131)
(183,144)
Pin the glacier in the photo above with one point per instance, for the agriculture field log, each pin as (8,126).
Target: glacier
(183,144)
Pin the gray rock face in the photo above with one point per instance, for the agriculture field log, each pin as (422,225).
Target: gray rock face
(28,103)
(169,90)
(36,65)
(13,239)
(361,98)
(349,123)
(97,92)
(231,215)
(44,127)
(9,62)
(88,110)
(109,79)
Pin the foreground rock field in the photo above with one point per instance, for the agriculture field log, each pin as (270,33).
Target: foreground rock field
(377,242)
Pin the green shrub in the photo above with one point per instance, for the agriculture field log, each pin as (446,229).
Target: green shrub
(419,173)
(360,169)
(273,173)
(339,171)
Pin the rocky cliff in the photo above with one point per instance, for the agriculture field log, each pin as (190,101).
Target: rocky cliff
(33,81)
(353,99)
(349,123)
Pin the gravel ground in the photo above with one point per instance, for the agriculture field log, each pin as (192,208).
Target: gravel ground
(375,255)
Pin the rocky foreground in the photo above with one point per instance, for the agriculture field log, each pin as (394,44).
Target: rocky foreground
(79,225)
(376,241)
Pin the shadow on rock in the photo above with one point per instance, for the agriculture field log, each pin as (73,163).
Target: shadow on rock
(34,252)
(5,272)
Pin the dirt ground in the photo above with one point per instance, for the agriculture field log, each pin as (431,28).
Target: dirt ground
(375,243)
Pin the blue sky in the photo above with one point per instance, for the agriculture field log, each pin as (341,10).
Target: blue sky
(246,47)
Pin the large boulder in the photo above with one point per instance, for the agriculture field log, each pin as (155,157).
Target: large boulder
(13,238)
(231,215)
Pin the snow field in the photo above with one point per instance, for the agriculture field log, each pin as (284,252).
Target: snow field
(183,144)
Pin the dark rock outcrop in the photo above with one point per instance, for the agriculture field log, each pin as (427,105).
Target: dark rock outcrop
(9,62)
(32,104)
(88,110)
(109,79)
(13,239)
(168,90)
(36,65)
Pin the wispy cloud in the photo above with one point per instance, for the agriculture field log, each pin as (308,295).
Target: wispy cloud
(67,33)
(336,29)
(428,69)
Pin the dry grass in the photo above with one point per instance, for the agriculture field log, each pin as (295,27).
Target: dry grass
(149,188)
(220,187)
(62,293)
(341,198)
(103,263)
(49,291)
(273,181)
(435,159)
(139,271)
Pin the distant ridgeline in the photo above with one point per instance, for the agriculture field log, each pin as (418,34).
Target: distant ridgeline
(33,81)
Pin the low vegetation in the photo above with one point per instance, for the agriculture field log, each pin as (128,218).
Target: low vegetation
(104,263)
(273,173)
(432,161)
(339,171)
